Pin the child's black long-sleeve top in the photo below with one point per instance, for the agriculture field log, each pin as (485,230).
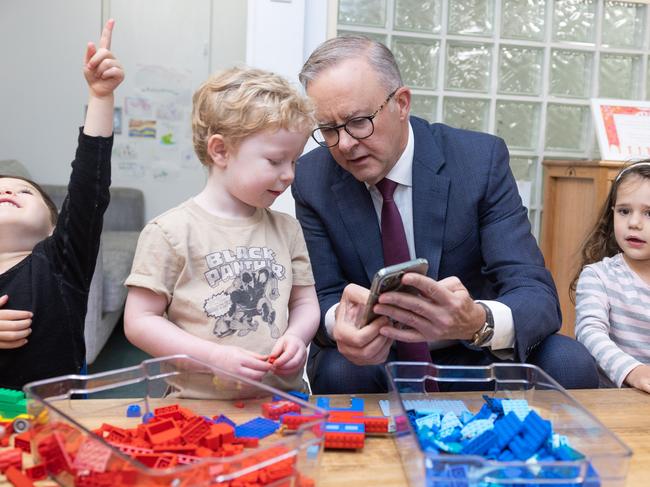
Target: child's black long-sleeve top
(53,281)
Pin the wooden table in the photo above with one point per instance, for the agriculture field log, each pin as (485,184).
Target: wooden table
(625,412)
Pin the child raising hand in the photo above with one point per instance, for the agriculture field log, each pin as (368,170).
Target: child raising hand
(613,288)
(47,259)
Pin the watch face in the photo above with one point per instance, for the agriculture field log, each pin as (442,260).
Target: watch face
(483,336)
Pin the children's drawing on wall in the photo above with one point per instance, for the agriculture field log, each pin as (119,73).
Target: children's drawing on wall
(142,128)
(158,143)
(138,107)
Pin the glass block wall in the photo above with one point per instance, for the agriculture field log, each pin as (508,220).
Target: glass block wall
(522,69)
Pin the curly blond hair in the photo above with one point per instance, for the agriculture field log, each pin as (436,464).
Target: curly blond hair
(241,101)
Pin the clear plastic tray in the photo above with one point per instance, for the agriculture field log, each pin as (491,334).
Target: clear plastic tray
(67,409)
(605,452)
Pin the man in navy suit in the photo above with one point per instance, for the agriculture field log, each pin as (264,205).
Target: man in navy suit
(460,210)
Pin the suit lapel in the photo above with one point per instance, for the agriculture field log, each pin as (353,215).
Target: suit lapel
(358,214)
(430,197)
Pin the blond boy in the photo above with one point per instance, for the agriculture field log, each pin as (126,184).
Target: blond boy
(221,277)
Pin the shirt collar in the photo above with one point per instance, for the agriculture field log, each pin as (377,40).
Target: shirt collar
(402,172)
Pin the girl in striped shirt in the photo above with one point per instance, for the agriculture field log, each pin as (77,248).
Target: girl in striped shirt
(612,290)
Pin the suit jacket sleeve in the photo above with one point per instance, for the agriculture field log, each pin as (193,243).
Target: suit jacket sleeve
(512,260)
(328,276)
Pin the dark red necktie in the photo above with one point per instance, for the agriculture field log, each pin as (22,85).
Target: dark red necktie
(396,250)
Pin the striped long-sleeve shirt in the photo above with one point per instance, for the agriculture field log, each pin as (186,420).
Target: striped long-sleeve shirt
(613,316)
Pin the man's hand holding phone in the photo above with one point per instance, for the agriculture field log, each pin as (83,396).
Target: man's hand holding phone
(390,279)
(361,346)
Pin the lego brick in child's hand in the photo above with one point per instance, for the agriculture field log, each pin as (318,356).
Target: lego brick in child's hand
(290,355)
(241,362)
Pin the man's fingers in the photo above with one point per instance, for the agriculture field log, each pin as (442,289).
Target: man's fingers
(441,292)
(107,34)
(402,334)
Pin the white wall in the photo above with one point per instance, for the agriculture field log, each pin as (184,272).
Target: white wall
(43,93)
(280,36)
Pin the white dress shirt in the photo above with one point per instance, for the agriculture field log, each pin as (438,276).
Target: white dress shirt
(402,173)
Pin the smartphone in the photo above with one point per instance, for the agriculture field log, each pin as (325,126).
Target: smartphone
(390,279)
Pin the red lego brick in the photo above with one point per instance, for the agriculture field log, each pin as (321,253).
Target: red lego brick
(17,478)
(174,411)
(11,458)
(239,404)
(37,472)
(346,441)
(293,421)
(273,410)
(195,429)
(151,460)
(55,456)
(23,441)
(165,461)
(92,456)
(165,431)
(220,433)
(376,425)
(131,449)
(248,442)
(113,434)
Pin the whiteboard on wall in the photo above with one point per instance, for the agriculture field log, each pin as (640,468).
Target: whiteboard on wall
(165,49)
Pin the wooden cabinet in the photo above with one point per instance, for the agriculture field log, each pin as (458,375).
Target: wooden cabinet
(574,192)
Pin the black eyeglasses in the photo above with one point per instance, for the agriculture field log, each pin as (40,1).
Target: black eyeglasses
(357,127)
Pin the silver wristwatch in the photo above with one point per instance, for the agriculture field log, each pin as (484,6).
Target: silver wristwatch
(486,332)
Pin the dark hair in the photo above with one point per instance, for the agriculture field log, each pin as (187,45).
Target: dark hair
(601,241)
(54,212)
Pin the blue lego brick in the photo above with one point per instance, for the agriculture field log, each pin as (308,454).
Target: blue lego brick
(481,444)
(256,428)
(299,395)
(533,435)
(147,417)
(506,428)
(494,403)
(351,428)
(519,406)
(133,411)
(356,404)
(484,413)
(222,418)
(565,452)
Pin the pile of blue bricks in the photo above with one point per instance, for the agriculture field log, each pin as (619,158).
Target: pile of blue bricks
(504,430)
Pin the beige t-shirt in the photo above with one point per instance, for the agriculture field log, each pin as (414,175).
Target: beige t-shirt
(225,280)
